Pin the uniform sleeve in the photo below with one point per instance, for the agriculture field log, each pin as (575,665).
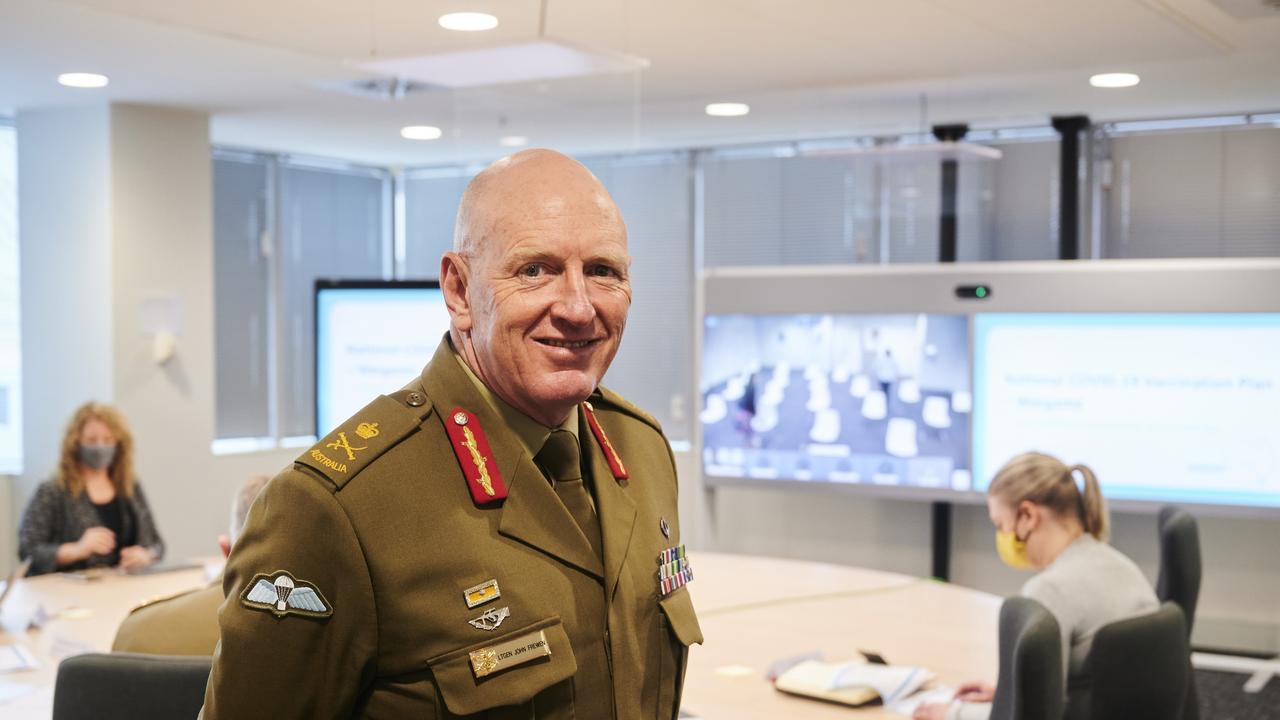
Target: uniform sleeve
(298,665)
(148,533)
(40,530)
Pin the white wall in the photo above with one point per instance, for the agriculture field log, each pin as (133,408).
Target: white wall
(116,207)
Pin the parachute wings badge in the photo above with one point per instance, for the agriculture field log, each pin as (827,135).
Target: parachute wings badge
(281,594)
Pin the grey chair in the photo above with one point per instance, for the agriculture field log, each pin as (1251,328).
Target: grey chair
(127,686)
(1029,686)
(1139,668)
(1179,579)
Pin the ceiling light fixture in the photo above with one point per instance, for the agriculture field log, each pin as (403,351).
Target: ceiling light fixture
(83,80)
(420,132)
(728,109)
(513,141)
(468,21)
(1114,80)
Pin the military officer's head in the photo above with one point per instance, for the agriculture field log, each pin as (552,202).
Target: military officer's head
(537,283)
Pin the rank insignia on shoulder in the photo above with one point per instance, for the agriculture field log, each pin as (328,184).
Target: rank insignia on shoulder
(471,447)
(282,594)
(491,618)
(615,461)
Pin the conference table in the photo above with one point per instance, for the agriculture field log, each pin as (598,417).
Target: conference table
(754,611)
(83,611)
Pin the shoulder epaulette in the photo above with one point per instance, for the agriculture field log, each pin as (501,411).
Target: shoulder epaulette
(604,398)
(343,453)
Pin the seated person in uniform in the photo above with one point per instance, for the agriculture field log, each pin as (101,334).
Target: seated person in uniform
(93,513)
(1052,518)
(187,624)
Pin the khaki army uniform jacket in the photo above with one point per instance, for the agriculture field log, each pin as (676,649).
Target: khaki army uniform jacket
(377,532)
(183,624)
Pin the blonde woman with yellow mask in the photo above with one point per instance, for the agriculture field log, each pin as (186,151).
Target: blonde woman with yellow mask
(1052,518)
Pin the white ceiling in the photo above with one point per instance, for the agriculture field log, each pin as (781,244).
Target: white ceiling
(808,68)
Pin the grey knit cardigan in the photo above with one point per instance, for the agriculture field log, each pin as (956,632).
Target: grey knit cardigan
(54,517)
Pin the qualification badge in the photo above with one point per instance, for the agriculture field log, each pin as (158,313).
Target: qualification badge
(282,594)
(673,570)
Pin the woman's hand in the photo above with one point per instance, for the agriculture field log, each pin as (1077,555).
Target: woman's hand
(931,711)
(136,557)
(95,541)
(975,692)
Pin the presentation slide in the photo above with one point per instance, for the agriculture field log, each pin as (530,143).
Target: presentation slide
(1164,407)
(875,399)
(369,342)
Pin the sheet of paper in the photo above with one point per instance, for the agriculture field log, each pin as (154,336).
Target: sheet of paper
(16,657)
(908,705)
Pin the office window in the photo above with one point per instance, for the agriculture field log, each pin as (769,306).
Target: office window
(10,334)
(1024,198)
(431,198)
(279,224)
(1202,193)
(780,208)
(652,368)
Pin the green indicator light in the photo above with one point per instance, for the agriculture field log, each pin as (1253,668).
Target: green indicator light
(981,292)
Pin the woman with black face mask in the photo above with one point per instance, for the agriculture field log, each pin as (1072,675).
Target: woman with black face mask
(93,513)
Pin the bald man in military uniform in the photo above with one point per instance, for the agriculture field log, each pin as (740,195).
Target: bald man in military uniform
(499,537)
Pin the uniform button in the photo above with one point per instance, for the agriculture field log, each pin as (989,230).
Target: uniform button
(459,418)
(415,399)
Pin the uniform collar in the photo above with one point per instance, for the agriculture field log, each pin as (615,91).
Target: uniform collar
(531,433)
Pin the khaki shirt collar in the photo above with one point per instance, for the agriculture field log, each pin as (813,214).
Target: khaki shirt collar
(531,433)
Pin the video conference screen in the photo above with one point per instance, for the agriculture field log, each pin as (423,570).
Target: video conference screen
(1164,407)
(371,339)
(872,399)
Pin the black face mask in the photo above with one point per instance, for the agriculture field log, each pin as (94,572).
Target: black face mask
(98,457)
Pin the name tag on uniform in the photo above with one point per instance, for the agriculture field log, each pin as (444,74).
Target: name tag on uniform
(503,656)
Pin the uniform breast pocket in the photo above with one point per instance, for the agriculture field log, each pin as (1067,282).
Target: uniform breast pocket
(526,673)
(679,629)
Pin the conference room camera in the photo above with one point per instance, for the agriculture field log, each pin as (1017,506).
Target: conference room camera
(973,292)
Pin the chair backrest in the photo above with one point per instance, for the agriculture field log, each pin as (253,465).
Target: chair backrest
(1179,579)
(1139,667)
(1031,675)
(107,686)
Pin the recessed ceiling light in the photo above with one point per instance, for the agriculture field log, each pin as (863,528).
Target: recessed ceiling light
(83,80)
(1114,80)
(514,141)
(468,21)
(420,132)
(728,109)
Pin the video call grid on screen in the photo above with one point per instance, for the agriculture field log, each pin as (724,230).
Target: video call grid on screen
(1226,297)
(371,339)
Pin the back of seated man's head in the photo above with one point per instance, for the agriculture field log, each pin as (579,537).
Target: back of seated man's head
(240,505)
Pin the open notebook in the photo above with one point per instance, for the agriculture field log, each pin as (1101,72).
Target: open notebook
(852,683)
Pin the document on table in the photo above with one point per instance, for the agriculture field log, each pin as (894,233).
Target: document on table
(853,683)
(16,657)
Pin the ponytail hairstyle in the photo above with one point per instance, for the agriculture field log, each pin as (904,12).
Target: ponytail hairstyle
(1045,480)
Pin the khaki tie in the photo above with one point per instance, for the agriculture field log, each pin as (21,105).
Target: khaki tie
(559,458)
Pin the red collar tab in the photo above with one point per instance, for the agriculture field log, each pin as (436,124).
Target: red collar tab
(615,462)
(475,458)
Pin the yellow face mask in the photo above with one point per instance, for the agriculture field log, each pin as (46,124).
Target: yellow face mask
(1012,550)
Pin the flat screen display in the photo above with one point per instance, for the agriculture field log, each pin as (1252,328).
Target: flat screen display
(371,339)
(840,398)
(1164,407)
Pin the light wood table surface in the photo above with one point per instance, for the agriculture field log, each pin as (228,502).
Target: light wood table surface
(753,610)
(829,609)
(84,615)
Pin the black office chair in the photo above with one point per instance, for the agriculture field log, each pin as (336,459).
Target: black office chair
(1179,579)
(1139,668)
(1030,682)
(127,686)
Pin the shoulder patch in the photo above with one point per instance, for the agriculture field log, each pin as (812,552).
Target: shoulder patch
(283,595)
(604,398)
(343,453)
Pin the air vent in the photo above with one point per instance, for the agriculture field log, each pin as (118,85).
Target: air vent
(383,88)
(1249,9)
